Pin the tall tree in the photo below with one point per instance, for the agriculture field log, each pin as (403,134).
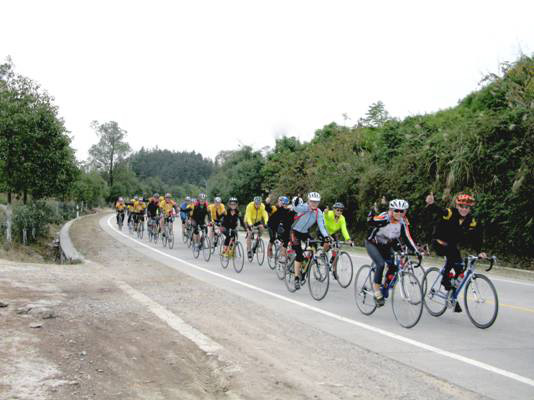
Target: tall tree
(110,149)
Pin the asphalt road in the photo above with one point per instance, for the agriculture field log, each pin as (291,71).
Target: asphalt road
(497,362)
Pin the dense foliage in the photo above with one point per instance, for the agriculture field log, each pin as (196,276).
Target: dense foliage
(484,146)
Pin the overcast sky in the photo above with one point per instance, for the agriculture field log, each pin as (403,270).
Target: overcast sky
(209,75)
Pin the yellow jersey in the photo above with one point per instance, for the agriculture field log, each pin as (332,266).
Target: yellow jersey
(139,206)
(167,207)
(254,215)
(216,212)
(120,206)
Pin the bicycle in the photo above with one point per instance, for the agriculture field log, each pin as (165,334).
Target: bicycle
(203,244)
(401,280)
(235,252)
(152,229)
(257,246)
(478,291)
(168,232)
(314,269)
(273,260)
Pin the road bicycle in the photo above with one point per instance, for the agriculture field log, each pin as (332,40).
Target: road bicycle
(314,270)
(257,246)
(167,238)
(234,252)
(400,279)
(479,294)
(202,244)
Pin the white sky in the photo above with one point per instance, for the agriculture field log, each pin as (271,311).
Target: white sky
(207,75)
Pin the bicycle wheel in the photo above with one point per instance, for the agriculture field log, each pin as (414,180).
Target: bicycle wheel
(190,239)
(206,248)
(185,236)
(238,258)
(319,277)
(363,290)
(260,252)
(196,248)
(481,301)
(170,238)
(164,237)
(434,295)
(141,230)
(289,275)
(225,259)
(344,269)
(281,263)
(272,260)
(407,299)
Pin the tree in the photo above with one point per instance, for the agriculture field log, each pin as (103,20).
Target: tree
(110,149)
(376,116)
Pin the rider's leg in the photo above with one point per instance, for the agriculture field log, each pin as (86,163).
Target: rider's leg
(378,255)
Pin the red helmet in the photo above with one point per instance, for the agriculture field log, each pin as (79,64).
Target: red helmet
(465,199)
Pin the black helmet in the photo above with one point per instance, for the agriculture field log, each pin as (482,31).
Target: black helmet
(339,205)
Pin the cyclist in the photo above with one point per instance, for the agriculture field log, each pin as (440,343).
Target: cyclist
(130,205)
(308,214)
(184,212)
(255,215)
(168,207)
(139,207)
(152,210)
(229,222)
(216,211)
(199,217)
(120,207)
(456,225)
(279,225)
(335,224)
(386,229)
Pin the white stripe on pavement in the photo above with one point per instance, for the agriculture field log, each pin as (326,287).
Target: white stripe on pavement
(424,346)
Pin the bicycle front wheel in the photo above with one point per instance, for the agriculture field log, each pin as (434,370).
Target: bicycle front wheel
(363,290)
(434,295)
(185,235)
(289,275)
(170,239)
(206,248)
(319,277)
(407,300)
(224,258)
(481,301)
(272,260)
(281,265)
(344,269)
(260,252)
(196,248)
(238,257)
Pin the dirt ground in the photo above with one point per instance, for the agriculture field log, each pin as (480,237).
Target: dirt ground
(68,332)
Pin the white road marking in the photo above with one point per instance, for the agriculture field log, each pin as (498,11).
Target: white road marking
(424,346)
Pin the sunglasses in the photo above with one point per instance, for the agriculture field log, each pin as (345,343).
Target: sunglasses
(399,211)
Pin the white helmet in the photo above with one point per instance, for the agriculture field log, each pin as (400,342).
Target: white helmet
(297,201)
(217,199)
(399,204)
(314,196)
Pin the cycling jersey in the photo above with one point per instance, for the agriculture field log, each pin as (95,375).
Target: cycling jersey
(139,207)
(306,218)
(270,209)
(255,215)
(454,229)
(386,231)
(216,212)
(230,220)
(152,209)
(120,206)
(184,210)
(200,212)
(167,206)
(333,226)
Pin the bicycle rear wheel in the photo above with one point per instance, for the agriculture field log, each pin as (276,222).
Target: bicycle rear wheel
(260,252)
(363,290)
(238,257)
(344,269)
(407,299)
(196,248)
(434,296)
(481,301)
(319,277)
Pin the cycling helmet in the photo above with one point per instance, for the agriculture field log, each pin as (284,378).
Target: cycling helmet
(314,196)
(217,199)
(167,195)
(465,199)
(257,200)
(339,205)
(297,201)
(119,199)
(187,198)
(156,195)
(232,200)
(284,200)
(202,196)
(399,204)
(136,197)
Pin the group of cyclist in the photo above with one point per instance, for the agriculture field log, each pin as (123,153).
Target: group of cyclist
(290,222)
